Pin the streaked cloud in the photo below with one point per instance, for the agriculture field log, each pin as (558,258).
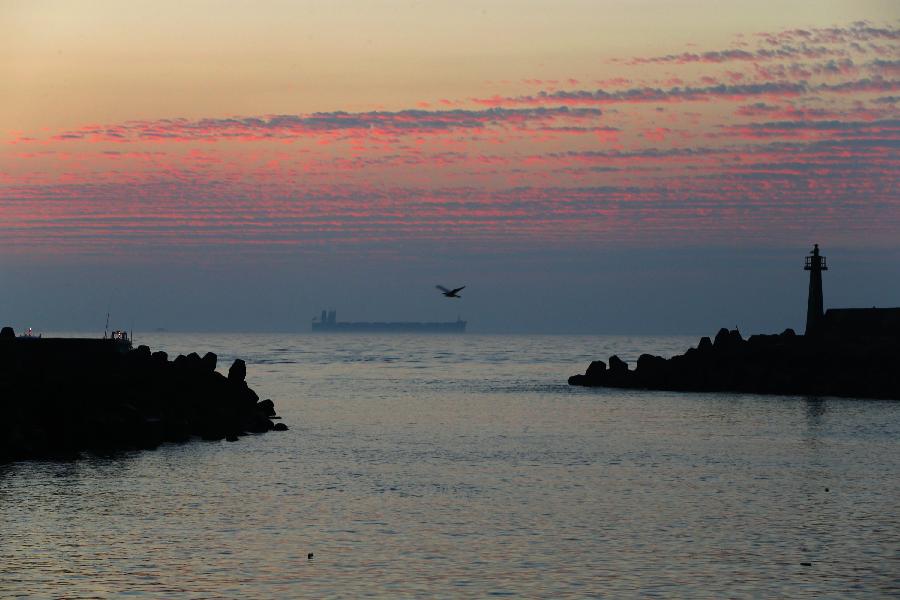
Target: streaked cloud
(790,44)
(405,122)
(785,130)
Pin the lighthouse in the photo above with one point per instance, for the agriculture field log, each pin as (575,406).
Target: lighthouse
(815,309)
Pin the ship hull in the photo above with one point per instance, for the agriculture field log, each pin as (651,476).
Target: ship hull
(389,327)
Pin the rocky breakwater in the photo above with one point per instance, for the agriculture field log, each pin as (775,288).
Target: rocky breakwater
(63,397)
(785,363)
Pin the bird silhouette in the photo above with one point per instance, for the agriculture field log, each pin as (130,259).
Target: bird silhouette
(450,293)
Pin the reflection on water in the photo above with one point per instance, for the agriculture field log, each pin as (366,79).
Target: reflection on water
(815,410)
(464,466)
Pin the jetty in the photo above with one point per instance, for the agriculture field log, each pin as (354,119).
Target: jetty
(850,352)
(61,397)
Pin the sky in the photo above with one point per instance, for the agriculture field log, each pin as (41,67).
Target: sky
(639,167)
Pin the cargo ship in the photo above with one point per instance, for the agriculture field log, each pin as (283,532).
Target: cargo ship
(328,323)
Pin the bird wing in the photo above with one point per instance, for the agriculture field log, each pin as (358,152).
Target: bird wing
(459,289)
(442,288)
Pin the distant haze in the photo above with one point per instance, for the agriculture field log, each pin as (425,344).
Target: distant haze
(581,166)
(635,291)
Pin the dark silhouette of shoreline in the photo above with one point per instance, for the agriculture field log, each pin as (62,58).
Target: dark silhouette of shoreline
(852,352)
(763,364)
(62,397)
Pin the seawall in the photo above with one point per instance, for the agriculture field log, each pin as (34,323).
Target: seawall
(63,397)
(763,364)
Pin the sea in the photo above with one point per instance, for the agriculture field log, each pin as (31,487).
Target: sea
(464,466)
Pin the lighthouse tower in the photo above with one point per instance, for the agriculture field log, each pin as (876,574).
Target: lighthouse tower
(815,309)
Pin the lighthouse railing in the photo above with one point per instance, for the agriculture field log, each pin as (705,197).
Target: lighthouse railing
(815,261)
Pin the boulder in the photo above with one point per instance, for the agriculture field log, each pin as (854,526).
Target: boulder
(194,361)
(596,369)
(90,397)
(617,365)
(141,353)
(648,363)
(648,360)
(250,396)
(257,423)
(726,339)
(238,371)
(784,363)
(208,362)
(650,370)
(722,338)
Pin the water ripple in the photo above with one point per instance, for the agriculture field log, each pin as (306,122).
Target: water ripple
(463,466)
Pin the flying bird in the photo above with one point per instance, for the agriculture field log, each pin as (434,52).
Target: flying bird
(450,293)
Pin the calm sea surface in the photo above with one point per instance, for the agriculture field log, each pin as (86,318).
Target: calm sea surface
(464,466)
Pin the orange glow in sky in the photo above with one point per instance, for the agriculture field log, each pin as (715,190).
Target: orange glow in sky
(157,127)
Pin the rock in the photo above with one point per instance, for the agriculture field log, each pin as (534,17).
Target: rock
(648,364)
(280,427)
(208,362)
(257,423)
(238,371)
(596,369)
(761,340)
(140,353)
(722,338)
(617,365)
(650,370)
(194,361)
(649,361)
(62,397)
(250,396)
(7,333)
(727,340)
(783,363)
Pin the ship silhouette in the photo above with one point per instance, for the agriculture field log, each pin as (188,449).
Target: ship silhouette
(327,323)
